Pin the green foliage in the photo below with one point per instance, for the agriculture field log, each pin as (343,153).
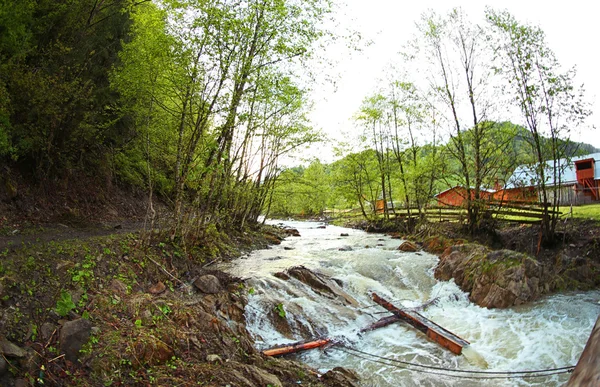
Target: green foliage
(64,304)
(279,309)
(303,191)
(54,73)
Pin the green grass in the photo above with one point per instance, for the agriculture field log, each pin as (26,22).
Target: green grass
(588,211)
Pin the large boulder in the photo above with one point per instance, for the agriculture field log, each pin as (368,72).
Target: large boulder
(320,283)
(494,279)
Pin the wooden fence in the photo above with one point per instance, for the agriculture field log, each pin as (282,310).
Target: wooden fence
(513,211)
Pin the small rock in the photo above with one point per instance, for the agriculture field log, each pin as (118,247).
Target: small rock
(153,351)
(273,239)
(288,248)
(344,234)
(340,376)
(11,350)
(408,246)
(214,358)
(73,335)
(158,288)
(21,383)
(292,232)
(3,366)
(321,227)
(147,317)
(345,248)
(118,286)
(208,284)
(76,295)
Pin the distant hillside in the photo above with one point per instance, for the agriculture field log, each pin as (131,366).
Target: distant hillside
(522,147)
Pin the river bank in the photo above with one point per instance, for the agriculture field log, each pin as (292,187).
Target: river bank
(507,266)
(540,335)
(115,306)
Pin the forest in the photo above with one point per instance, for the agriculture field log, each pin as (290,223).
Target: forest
(195,103)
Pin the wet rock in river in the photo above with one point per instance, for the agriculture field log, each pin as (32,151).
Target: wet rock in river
(340,376)
(321,284)
(408,247)
(282,275)
(494,279)
(292,232)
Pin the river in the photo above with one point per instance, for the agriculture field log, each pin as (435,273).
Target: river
(550,333)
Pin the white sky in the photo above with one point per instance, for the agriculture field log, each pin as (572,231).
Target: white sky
(572,32)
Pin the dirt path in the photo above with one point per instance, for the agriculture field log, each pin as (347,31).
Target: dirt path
(48,232)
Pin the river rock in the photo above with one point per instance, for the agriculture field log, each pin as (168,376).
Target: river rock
(321,284)
(345,248)
(73,335)
(9,349)
(282,275)
(340,376)
(439,244)
(493,279)
(249,375)
(292,232)
(208,284)
(272,239)
(408,247)
(47,330)
(344,234)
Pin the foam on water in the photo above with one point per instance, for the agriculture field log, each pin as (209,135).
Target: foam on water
(546,334)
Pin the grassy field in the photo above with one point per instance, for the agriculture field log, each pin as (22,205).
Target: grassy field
(589,211)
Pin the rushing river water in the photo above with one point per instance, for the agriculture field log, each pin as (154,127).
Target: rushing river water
(550,333)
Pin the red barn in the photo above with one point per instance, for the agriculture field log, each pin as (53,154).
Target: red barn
(455,196)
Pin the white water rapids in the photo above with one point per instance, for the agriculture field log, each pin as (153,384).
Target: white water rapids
(547,334)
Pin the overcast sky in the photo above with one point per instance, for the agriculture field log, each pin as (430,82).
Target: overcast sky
(571,32)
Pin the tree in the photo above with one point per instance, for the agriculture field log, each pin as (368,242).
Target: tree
(356,179)
(372,117)
(460,78)
(550,104)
